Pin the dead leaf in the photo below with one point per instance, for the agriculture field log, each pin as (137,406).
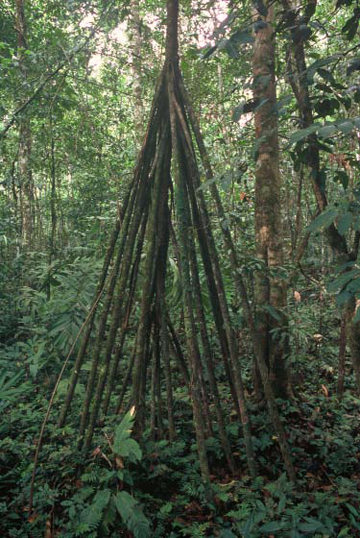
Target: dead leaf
(106,459)
(32,518)
(96,452)
(48,531)
(318,337)
(327,488)
(325,390)
(119,462)
(297,296)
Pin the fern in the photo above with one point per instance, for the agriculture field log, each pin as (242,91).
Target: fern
(83,494)
(109,516)
(90,518)
(81,529)
(93,475)
(132,516)
(11,386)
(36,530)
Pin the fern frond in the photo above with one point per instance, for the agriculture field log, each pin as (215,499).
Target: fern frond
(132,516)
(92,515)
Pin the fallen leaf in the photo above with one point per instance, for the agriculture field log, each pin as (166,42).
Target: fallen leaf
(119,462)
(318,337)
(96,451)
(325,390)
(48,531)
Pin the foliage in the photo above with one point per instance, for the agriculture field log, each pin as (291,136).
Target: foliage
(84,506)
(76,82)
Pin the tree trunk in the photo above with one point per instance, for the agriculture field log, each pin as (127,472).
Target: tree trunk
(25,138)
(270,291)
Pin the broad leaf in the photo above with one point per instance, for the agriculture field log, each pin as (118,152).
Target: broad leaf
(327,131)
(346,126)
(273,526)
(238,111)
(312,526)
(297,136)
(324,220)
(342,177)
(322,62)
(343,280)
(242,37)
(345,222)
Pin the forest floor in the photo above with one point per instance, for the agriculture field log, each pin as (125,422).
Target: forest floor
(161,482)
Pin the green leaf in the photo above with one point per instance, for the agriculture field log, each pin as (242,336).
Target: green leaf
(327,131)
(33,370)
(273,526)
(132,515)
(283,103)
(342,177)
(92,514)
(345,222)
(209,182)
(328,76)
(351,26)
(312,69)
(344,266)
(124,446)
(346,126)
(109,516)
(351,508)
(353,66)
(354,286)
(343,297)
(344,533)
(226,533)
(11,386)
(232,50)
(324,220)
(297,136)
(312,525)
(124,429)
(209,52)
(238,111)
(340,282)
(262,103)
(242,37)
(274,312)
(130,448)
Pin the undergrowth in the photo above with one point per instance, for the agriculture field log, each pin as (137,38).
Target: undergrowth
(152,488)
